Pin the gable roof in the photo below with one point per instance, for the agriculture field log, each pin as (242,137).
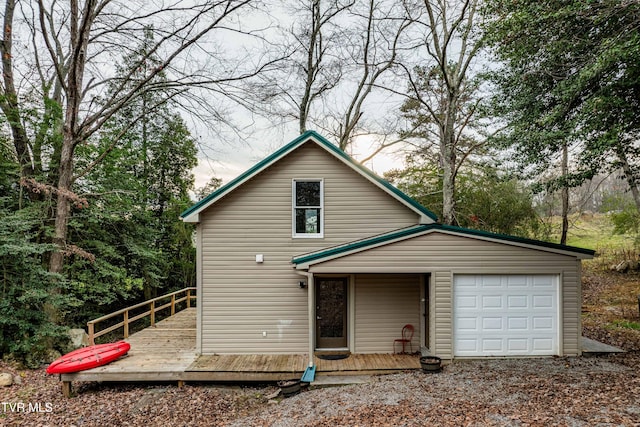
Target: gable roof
(193,213)
(304,261)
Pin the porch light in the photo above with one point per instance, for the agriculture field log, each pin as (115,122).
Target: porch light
(302,284)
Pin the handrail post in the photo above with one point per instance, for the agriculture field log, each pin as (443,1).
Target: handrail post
(126,324)
(189,298)
(91,330)
(173,304)
(152,313)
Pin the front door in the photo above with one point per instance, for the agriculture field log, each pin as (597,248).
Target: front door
(331,313)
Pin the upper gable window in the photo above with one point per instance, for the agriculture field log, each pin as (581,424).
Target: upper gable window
(308,210)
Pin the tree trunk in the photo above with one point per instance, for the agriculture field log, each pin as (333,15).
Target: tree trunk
(62,214)
(63,208)
(448,152)
(448,190)
(312,66)
(80,25)
(631,178)
(565,195)
(9,99)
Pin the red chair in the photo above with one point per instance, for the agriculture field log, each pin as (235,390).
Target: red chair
(407,336)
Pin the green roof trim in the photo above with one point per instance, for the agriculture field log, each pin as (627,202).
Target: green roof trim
(249,172)
(516,239)
(290,147)
(419,229)
(369,173)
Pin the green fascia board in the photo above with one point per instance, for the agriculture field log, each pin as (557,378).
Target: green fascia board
(290,147)
(408,232)
(515,239)
(372,175)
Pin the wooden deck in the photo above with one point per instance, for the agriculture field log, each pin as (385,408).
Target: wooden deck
(166,352)
(159,353)
(261,367)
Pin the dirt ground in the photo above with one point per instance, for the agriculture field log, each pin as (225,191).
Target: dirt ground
(603,391)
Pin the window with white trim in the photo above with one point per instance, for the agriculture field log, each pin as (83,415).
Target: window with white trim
(308,212)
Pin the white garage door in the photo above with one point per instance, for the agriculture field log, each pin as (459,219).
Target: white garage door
(505,315)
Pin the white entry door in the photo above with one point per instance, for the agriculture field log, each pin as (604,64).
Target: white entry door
(505,315)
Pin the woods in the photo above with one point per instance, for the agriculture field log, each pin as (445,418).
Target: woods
(567,87)
(499,109)
(101,156)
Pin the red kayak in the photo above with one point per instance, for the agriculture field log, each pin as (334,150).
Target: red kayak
(88,357)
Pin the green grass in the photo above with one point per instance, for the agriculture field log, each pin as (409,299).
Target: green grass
(595,231)
(626,324)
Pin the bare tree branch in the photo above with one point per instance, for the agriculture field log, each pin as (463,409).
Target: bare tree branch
(443,90)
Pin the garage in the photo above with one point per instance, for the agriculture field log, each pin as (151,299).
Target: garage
(482,294)
(505,315)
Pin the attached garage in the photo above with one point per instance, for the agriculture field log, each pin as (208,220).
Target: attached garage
(483,294)
(505,315)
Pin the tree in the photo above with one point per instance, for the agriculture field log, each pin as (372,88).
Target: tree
(337,56)
(213,184)
(377,43)
(69,46)
(478,207)
(319,66)
(569,82)
(443,96)
(24,280)
(146,181)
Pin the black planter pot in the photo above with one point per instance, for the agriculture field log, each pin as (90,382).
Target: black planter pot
(431,364)
(289,387)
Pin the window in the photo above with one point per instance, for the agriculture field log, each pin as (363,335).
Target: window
(307,208)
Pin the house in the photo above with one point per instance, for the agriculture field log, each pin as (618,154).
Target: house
(310,251)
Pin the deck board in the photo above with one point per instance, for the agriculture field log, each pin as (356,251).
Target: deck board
(166,352)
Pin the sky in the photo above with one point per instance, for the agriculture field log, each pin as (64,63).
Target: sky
(229,161)
(226,156)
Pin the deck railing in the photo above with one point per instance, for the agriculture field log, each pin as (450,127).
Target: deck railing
(154,306)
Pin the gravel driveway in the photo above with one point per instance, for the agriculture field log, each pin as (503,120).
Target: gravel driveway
(602,391)
(570,391)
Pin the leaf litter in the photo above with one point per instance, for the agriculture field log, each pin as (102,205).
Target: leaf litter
(558,391)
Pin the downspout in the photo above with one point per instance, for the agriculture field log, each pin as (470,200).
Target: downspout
(310,307)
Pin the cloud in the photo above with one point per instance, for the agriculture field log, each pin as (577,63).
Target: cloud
(225,170)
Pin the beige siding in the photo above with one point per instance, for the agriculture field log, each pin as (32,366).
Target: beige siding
(383,305)
(242,299)
(571,294)
(442,315)
(446,255)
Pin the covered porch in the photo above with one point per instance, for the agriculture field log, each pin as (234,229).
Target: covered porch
(367,314)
